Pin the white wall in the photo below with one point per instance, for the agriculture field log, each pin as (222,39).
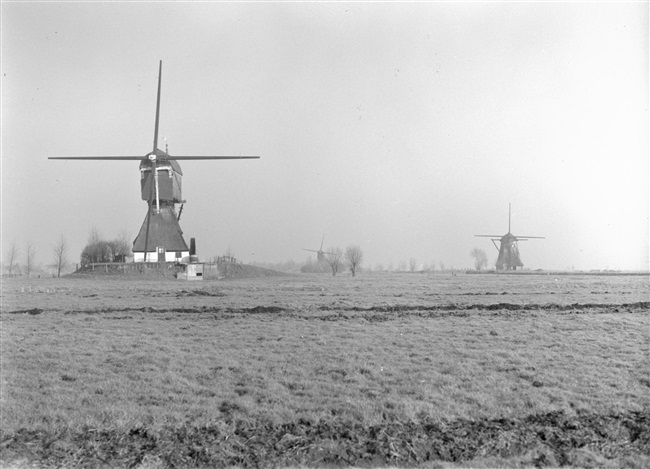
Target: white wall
(152,256)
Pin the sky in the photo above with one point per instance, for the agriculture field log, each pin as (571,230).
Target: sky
(404,128)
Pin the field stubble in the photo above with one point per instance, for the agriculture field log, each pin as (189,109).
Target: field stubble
(313,370)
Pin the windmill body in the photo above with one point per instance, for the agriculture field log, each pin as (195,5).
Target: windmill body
(160,238)
(320,254)
(508,253)
(509,258)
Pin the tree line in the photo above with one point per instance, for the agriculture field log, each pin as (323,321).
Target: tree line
(99,250)
(23,262)
(335,259)
(28,266)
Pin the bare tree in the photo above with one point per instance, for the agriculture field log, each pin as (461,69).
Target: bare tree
(333,259)
(30,258)
(353,256)
(94,236)
(480,258)
(61,255)
(123,245)
(12,253)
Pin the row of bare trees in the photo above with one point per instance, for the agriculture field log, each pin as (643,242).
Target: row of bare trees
(29,266)
(17,262)
(412,265)
(12,263)
(352,256)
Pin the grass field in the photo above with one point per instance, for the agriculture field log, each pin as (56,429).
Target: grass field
(378,370)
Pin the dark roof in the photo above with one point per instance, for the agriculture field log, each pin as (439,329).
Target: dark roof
(508,238)
(164,231)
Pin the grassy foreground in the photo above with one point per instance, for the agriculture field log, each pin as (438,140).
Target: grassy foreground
(308,377)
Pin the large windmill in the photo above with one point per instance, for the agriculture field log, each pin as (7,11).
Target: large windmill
(160,238)
(320,254)
(508,249)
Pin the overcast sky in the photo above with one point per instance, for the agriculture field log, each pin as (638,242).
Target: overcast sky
(406,128)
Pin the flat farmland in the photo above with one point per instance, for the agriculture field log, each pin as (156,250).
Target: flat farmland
(417,370)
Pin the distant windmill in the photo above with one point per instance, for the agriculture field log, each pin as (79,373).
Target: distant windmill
(508,249)
(321,253)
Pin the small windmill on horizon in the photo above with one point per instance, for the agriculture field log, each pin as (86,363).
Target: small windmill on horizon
(320,253)
(508,248)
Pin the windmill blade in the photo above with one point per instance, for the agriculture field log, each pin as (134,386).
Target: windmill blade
(155,132)
(509,218)
(310,250)
(146,234)
(169,157)
(489,236)
(155,182)
(162,157)
(321,242)
(97,158)
(529,237)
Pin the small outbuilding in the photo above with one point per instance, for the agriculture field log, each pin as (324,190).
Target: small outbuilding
(192,272)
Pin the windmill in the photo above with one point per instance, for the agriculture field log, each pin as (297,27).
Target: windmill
(320,253)
(160,238)
(508,249)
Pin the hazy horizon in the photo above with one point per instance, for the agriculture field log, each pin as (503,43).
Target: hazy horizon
(405,128)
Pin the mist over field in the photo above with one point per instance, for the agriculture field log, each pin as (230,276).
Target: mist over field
(405,129)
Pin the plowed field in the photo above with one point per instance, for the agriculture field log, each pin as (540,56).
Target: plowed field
(399,370)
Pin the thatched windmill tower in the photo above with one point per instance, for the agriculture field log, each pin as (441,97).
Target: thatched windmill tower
(508,248)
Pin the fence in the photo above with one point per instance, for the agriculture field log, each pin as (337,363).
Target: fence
(227,260)
(126,266)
